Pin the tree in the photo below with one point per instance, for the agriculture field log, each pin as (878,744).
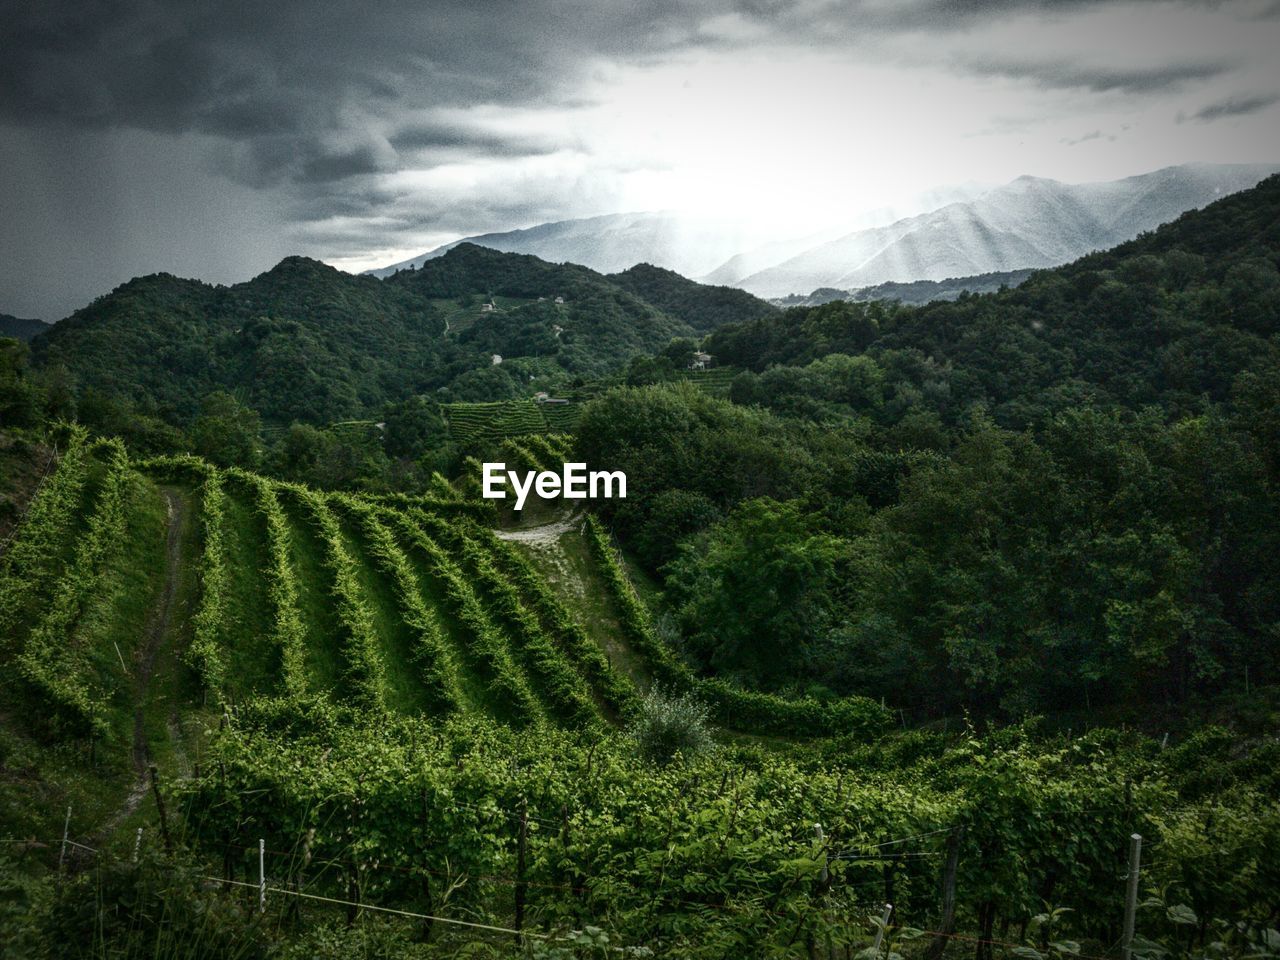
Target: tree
(227,432)
(753,591)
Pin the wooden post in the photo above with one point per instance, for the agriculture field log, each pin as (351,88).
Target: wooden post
(262,875)
(824,882)
(948,920)
(1131,894)
(66,832)
(164,821)
(883,926)
(522,842)
(137,844)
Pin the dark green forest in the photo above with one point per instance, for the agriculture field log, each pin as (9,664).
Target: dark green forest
(1053,498)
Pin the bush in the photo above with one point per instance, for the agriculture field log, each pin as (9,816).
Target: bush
(671,725)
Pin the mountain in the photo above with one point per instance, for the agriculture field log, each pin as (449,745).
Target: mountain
(1184,317)
(911,292)
(1031,222)
(20,328)
(610,243)
(701,306)
(714,250)
(304,341)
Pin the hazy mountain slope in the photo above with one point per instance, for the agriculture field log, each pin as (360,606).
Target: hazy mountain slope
(610,243)
(21,328)
(912,292)
(1031,222)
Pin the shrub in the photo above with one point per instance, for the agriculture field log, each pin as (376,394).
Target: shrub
(671,725)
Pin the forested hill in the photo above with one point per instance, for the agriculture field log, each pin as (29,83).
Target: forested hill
(306,342)
(20,328)
(702,306)
(1171,318)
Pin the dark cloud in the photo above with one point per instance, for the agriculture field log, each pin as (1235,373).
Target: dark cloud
(458,138)
(1065,74)
(1232,107)
(298,69)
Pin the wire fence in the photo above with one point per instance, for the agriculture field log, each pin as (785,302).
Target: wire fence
(297,890)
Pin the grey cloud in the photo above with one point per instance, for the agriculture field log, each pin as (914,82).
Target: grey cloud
(1064,74)
(1084,138)
(252,73)
(464,139)
(1232,107)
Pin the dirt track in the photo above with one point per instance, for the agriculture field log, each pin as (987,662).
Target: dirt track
(546,533)
(144,660)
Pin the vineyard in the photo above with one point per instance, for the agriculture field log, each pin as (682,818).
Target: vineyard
(469,422)
(406,605)
(410,716)
(714,381)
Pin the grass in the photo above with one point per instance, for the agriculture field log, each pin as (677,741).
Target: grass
(325,665)
(396,641)
(247,611)
(570,570)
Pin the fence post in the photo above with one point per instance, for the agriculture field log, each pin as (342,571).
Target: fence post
(1131,894)
(137,844)
(262,875)
(522,842)
(66,832)
(164,820)
(824,881)
(948,920)
(824,874)
(883,926)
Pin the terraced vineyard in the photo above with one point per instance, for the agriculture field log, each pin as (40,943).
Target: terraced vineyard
(715,381)
(400,605)
(469,422)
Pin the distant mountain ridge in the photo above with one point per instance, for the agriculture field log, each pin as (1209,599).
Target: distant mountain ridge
(1031,222)
(610,244)
(913,292)
(21,328)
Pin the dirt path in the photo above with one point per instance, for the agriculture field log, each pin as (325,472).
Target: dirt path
(546,533)
(144,661)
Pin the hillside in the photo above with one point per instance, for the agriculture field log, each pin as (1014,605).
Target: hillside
(701,306)
(912,293)
(20,328)
(608,243)
(1172,317)
(306,342)
(378,698)
(1031,222)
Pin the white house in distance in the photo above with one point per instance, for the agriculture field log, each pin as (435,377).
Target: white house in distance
(487,307)
(496,359)
(700,361)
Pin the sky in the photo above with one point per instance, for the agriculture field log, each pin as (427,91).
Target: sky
(211,140)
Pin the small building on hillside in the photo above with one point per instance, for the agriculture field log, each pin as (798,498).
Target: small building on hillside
(496,359)
(542,396)
(487,307)
(560,300)
(700,361)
